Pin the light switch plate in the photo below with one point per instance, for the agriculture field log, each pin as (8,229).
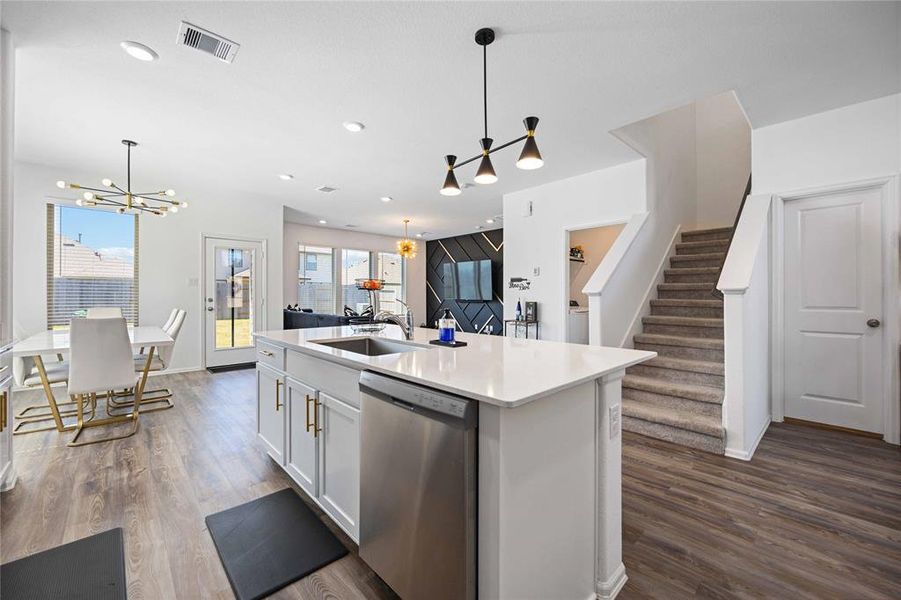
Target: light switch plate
(536,271)
(614,421)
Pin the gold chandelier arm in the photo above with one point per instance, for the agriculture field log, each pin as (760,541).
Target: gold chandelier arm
(142,194)
(75,186)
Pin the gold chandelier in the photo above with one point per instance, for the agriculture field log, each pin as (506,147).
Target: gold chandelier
(124,200)
(406,247)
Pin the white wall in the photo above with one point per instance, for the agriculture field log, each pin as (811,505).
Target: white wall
(296,234)
(668,143)
(539,241)
(723,149)
(170,254)
(846,144)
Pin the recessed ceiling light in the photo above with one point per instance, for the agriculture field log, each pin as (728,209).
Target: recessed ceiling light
(354,126)
(286,177)
(419,235)
(489,221)
(479,227)
(322,221)
(385,198)
(139,51)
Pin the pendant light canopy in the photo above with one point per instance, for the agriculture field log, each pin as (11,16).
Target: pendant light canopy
(529,157)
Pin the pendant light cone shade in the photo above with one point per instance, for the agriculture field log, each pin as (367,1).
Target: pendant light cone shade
(530,157)
(450,187)
(485,175)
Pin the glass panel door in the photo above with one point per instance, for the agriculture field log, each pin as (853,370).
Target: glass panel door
(234,298)
(355,264)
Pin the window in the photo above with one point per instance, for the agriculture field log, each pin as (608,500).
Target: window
(391,270)
(355,264)
(316,285)
(92,260)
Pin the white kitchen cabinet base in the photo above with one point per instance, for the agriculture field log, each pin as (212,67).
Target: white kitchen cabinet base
(271,412)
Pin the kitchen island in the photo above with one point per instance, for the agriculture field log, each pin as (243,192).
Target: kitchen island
(549,443)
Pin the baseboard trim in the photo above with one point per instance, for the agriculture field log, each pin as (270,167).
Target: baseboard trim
(607,590)
(749,454)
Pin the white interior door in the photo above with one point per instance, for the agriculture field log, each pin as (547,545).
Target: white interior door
(233,300)
(833,310)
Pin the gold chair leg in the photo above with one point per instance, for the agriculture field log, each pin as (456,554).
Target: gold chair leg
(17,430)
(133,417)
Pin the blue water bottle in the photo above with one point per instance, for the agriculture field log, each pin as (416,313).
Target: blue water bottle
(446,328)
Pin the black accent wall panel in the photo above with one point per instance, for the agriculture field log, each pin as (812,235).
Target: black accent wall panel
(472,317)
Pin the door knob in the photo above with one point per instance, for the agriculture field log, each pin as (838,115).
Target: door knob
(209,299)
(873,323)
(209,308)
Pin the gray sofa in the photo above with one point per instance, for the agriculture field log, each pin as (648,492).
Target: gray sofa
(295,319)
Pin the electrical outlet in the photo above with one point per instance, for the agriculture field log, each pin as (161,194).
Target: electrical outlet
(614,421)
(193,282)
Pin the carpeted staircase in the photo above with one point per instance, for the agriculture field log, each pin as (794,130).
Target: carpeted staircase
(678,396)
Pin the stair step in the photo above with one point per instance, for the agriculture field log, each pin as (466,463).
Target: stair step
(702,235)
(699,393)
(698,423)
(683,437)
(712,259)
(699,291)
(681,370)
(674,403)
(692,275)
(677,307)
(683,326)
(708,349)
(703,247)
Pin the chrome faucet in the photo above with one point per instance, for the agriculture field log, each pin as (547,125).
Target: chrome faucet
(405,321)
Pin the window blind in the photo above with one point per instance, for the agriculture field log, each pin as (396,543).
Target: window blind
(82,272)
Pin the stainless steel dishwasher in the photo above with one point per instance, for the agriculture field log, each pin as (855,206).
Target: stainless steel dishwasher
(418,470)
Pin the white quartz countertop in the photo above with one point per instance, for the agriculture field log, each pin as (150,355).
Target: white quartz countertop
(503,371)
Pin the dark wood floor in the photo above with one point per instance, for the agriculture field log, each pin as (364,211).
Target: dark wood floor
(816,514)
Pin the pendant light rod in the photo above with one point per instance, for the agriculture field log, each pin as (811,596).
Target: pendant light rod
(492,151)
(485,86)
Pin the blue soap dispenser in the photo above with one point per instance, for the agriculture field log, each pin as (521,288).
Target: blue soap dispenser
(446,328)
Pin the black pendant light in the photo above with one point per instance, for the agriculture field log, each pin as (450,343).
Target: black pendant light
(529,157)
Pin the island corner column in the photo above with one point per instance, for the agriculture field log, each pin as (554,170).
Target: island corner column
(611,572)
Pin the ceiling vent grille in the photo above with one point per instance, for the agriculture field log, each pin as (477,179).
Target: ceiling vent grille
(326,189)
(207,41)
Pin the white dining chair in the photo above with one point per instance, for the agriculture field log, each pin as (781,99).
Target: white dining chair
(171,319)
(160,362)
(104,312)
(101,360)
(27,374)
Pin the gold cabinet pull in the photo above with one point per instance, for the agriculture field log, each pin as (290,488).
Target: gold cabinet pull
(3,408)
(308,412)
(278,384)
(266,353)
(316,427)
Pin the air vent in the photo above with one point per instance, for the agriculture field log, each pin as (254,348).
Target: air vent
(207,41)
(326,189)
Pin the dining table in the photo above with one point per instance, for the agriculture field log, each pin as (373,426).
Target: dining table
(145,339)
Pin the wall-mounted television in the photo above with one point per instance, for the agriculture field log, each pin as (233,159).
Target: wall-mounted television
(469,280)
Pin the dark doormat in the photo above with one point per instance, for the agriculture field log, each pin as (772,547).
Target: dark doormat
(271,542)
(92,568)
(236,367)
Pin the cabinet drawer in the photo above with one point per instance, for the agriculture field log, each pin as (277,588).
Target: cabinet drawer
(270,354)
(339,381)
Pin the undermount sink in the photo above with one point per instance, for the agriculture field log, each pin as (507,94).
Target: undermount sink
(371,346)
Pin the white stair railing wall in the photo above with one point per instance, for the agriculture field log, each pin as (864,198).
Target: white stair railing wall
(744,282)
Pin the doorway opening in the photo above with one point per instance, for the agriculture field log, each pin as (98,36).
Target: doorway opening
(586,249)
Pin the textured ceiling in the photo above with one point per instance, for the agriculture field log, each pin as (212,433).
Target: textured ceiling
(411,73)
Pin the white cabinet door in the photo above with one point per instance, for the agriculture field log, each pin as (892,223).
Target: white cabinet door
(7,477)
(302,456)
(271,412)
(339,462)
